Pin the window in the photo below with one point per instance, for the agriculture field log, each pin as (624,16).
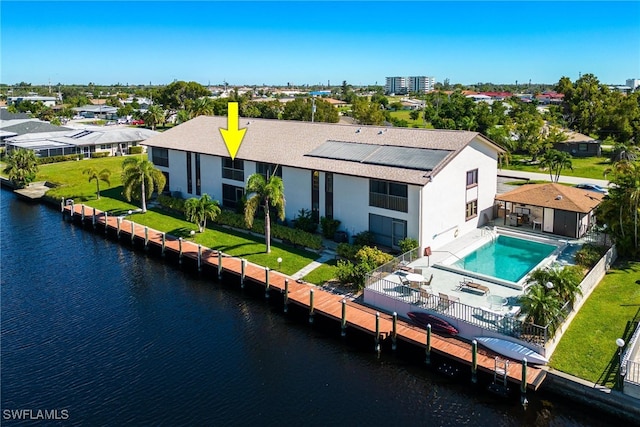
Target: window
(388,195)
(328,195)
(387,231)
(189,178)
(231,195)
(233,169)
(160,156)
(472,178)
(583,146)
(198,186)
(268,169)
(315,195)
(471,210)
(167,185)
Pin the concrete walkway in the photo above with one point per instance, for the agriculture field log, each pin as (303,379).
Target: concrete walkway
(325,255)
(506,173)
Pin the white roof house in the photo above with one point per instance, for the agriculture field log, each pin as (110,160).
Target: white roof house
(395,182)
(80,141)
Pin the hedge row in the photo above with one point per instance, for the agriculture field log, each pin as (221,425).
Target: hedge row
(287,234)
(235,220)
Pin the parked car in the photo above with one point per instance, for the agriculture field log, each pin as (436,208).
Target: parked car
(137,122)
(592,187)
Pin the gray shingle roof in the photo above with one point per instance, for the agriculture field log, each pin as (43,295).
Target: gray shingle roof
(289,143)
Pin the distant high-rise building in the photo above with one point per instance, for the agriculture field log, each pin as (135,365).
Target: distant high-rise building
(633,84)
(397,85)
(404,85)
(421,84)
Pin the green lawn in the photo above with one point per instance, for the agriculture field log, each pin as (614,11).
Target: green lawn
(404,115)
(588,349)
(586,167)
(72,183)
(322,274)
(75,185)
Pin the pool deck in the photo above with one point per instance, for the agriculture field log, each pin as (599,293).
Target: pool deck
(447,282)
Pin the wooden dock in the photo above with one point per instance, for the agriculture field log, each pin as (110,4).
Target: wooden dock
(315,300)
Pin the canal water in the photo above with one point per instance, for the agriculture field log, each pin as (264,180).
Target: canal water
(101,334)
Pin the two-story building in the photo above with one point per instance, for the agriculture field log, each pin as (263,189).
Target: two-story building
(427,184)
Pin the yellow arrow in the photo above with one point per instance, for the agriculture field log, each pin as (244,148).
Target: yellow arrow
(232,135)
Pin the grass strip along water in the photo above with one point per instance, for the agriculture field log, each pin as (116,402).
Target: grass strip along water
(71,183)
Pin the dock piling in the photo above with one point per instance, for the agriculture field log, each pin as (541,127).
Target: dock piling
(474,361)
(266,282)
(93,218)
(523,383)
(428,348)
(164,242)
(199,257)
(146,237)
(119,220)
(106,222)
(243,268)
(180,250)
(343,324)
(219,264)
(377,332)
(394,333)
(82,213)
(310,305)
(286,295)
(133,232)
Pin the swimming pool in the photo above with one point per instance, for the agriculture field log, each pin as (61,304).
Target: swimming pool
(506,258)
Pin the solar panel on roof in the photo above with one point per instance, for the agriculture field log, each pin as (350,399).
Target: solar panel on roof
(340,150)
(384,155)
(406,157)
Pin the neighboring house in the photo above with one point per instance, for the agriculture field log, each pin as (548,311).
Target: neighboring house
(552,208)
(27,126)
(395,182)
(113,140)
(48,101)
(579,145)
(100,111)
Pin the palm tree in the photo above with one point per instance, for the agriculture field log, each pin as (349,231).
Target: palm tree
(21,167)
(623,199)
(198,210)
(141,174)
(267,194)
(103,175)
(154,116)
(202,107)
(542,306)
(555,161)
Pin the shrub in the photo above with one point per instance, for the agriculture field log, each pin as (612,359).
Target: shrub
(372,257)
(58,159)
(407,244)
(364,238)
(329,227)
(304,221)
(172,203)
(345,250)
(589,255)
(100,154)
(136,150)
(348,272)
(290,235)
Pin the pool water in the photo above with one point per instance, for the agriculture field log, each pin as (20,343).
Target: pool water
(506,258)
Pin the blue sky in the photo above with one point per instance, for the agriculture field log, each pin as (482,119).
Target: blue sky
(276,43)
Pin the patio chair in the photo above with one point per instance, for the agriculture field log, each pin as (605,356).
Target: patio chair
(444,301)
(425,297)
(428,282)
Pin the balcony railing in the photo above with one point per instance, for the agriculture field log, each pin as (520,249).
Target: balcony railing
(386,201)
